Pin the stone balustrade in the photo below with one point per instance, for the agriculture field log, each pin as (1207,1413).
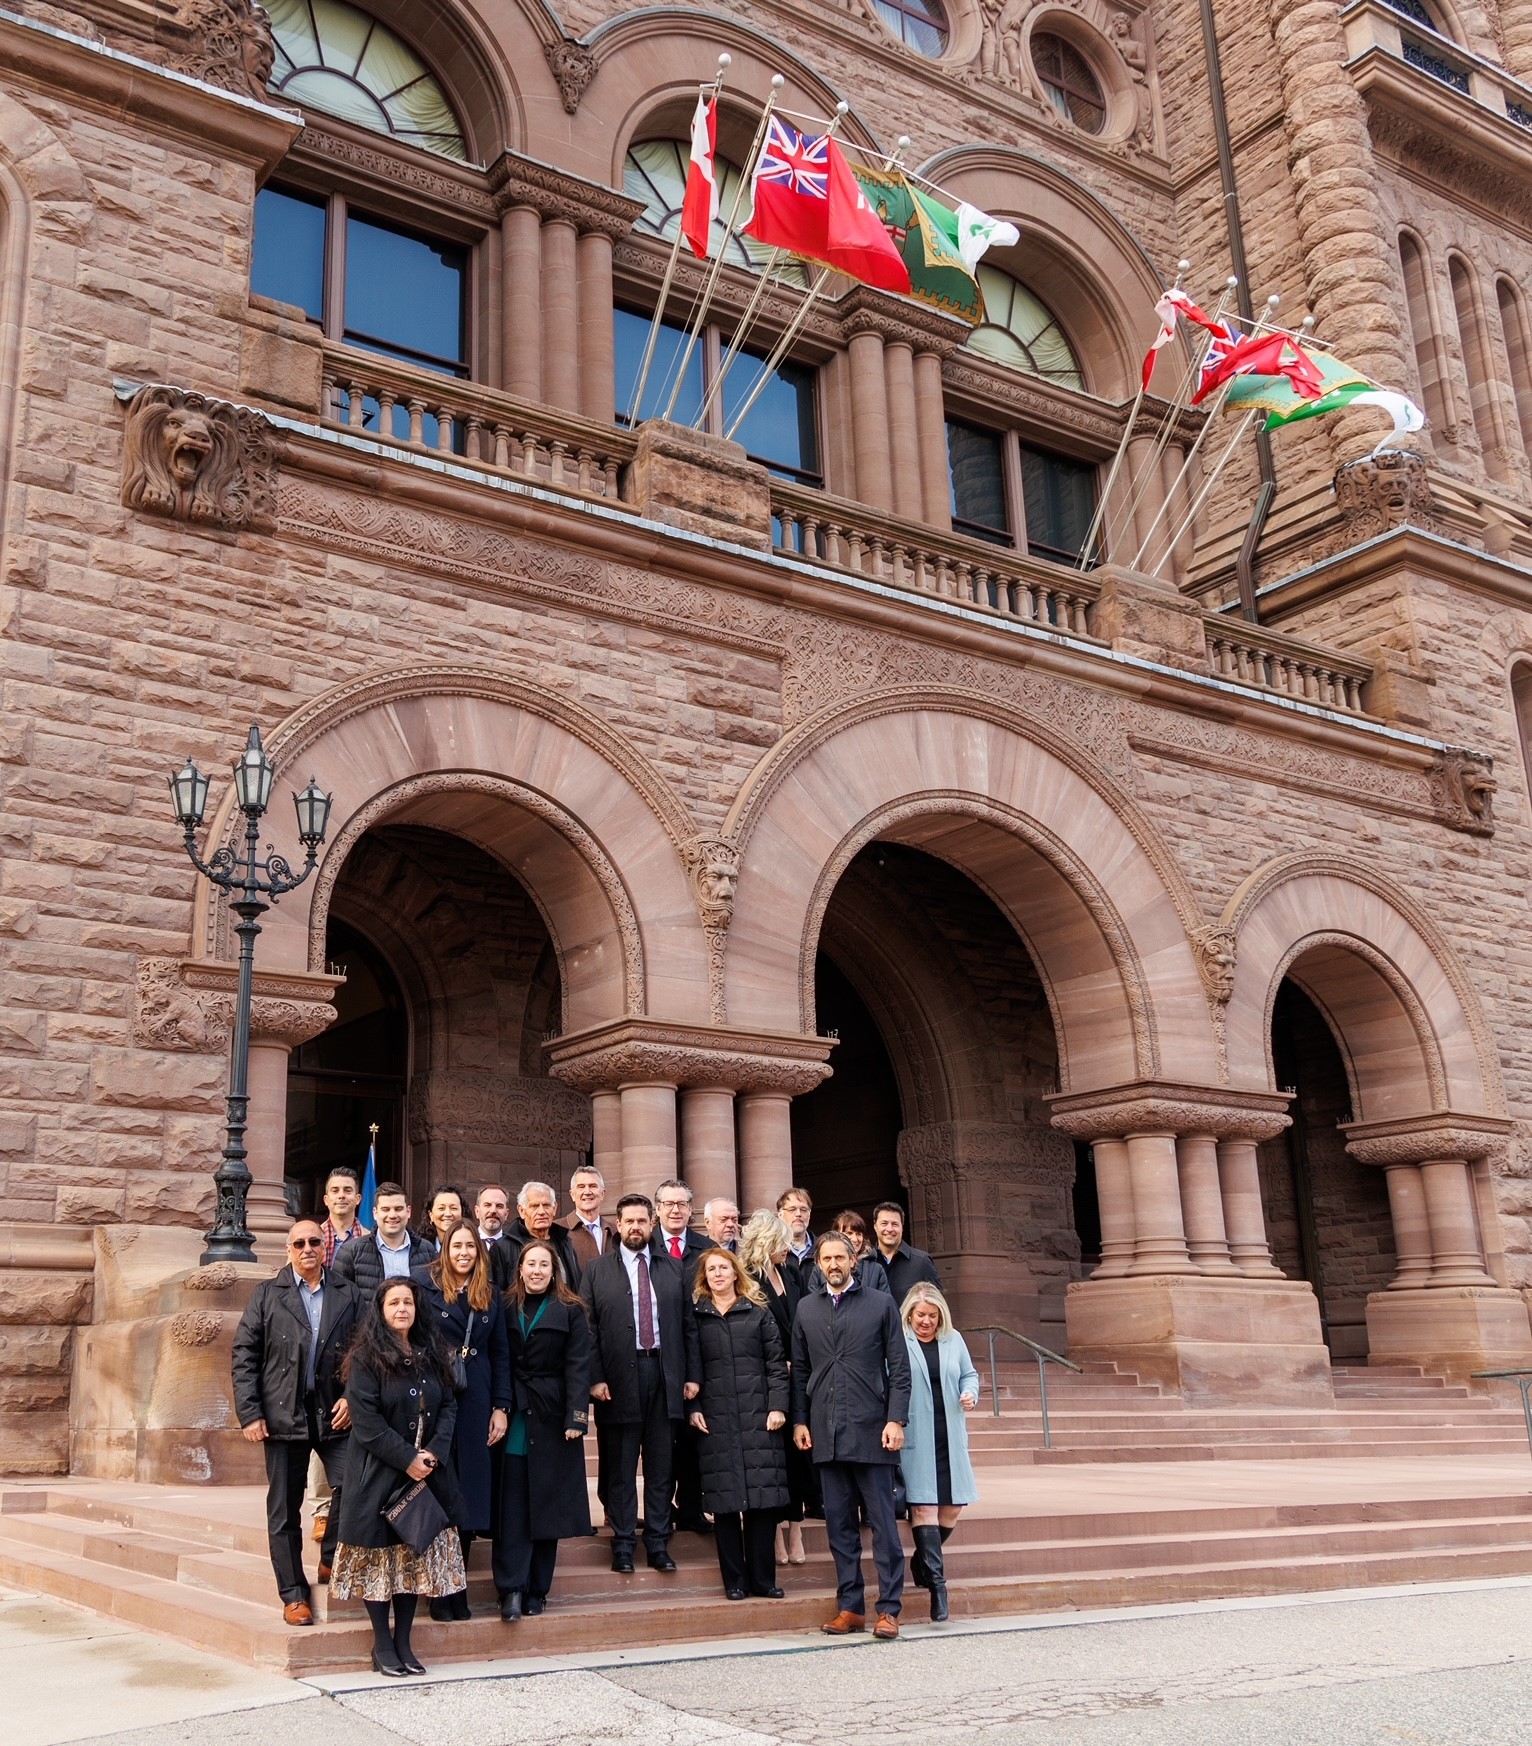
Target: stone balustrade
(1390,54)
(1248,654)
(842,535)
(427,413)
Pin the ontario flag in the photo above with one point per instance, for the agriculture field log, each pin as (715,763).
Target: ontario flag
(699,210)
(807,201)
(1262,354)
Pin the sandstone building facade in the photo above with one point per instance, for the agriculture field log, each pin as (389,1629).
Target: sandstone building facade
(797,809)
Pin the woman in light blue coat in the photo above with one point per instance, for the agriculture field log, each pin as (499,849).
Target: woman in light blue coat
(938,1476)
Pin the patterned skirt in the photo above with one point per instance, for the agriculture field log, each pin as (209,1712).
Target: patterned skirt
(378,1573)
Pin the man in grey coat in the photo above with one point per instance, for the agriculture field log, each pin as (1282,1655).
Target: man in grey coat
(851,1398)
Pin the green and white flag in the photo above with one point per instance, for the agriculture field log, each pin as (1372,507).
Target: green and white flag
(1341,387)
(977,233)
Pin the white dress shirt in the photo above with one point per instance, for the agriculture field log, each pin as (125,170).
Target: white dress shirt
(630,1260)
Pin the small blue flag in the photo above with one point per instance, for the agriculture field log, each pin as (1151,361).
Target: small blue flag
(369,1184)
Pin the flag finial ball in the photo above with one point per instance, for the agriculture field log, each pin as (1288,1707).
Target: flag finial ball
(843,107)
(1183,266)
(1273,300)
(726,60)
(904,142)
(777,81)
(1307,323)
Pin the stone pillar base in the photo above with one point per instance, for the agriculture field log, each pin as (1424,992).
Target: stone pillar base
(152,1398)
(1451,1331)
(1251,1342)
(991,1291)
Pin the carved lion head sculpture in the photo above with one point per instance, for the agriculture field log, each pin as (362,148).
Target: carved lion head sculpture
(181,457)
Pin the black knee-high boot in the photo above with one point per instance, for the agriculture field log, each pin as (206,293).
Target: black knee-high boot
(384,1656)
(929,1543)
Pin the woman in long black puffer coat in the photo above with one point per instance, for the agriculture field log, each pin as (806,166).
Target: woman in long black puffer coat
(740,1411)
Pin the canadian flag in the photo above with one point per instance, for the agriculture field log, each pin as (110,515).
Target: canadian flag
(1174,301)
(700,207)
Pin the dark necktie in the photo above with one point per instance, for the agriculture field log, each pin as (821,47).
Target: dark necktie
(645,1308)
(675,1248)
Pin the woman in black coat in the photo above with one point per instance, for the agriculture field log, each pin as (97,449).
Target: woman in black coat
(469,1315)
(403,1412)
(543,1496)
(765,1248)
(740,1412)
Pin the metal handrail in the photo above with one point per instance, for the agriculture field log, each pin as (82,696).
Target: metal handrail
(1044,1356)
(1523,1380)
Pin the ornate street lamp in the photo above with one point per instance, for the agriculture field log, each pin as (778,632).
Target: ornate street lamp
(250,881)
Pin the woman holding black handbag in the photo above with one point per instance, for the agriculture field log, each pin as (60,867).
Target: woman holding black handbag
(403,1411)
(467,1312)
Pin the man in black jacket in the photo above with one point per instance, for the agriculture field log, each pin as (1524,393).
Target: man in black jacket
(904,1265)
(644,1367)
(673,1236)
(851,1398)
(288,1396)
(392,1252)
(534,1222)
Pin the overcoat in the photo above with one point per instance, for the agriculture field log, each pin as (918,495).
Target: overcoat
(383,1410)
(614,1347)
(487,1364)
(851,1374)
(551,1368)
(582,1242)
(744,1378)
(271,1355)
(918,1457)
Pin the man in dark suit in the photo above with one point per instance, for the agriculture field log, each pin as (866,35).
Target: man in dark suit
(904,1265)
(674,1236)
(590,1234)
(288,1396)
(645,1366)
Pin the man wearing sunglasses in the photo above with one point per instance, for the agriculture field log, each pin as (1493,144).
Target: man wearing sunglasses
(289,1398)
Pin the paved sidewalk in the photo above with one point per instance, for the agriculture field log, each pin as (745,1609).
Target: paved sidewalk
(1449,1665)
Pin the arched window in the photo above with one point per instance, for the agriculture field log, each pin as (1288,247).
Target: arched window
(332,57)
(1428,361)
(919,24)
(1518,351)
(654,171)
(1070,81)
(1521,699)
(1477,367)
(1020,330)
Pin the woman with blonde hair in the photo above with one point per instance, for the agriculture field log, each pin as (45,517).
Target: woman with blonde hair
(739,1415)
(468,1314)
(765,1250)
(938,1475)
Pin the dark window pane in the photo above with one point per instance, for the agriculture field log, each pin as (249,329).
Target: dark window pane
(780,429)
(975,458)
(405,295)
(1060,497)
(288,260)
(630,334)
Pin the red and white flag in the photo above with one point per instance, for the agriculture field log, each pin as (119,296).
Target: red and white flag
(1174,302)
(700,207)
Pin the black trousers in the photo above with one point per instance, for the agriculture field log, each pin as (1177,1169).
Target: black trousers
(687,1469)
(287,1473)
(618,1448)
(520,1562)
(747,1551)
(845,1486)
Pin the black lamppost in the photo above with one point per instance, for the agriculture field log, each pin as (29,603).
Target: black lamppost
(250,881)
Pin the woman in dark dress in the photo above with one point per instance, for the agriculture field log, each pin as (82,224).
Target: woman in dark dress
(469,1316)
(765,1249)
(740,1413)
(938,1475)
(403,1412)
(543,1495)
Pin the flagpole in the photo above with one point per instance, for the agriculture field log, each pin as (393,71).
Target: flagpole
(656,320)
(1202,495)
(710,284)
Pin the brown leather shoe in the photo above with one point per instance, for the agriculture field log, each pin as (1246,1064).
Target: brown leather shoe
(298,1613)
(321,1522)
(323,1573)
(887,1627)
(845,1624)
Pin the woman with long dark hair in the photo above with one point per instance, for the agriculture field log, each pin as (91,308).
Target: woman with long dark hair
(403,1405)
(468,1314)
(443,1210)
(543,1498)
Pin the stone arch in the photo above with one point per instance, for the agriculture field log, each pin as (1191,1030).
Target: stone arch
(1389,984)
(1074,252)
(580,819)
(1083,879)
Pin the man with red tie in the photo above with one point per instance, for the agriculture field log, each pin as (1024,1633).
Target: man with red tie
(673,1236)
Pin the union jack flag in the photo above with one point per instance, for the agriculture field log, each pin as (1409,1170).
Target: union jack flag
(799,162)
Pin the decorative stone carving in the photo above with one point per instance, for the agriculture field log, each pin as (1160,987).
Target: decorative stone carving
(573,67)
(195,1328)
(218,1277)
(554,193)
(188,1007)
(1215,948)
(942,1152)
(1426,1138)
(166,1015)
(1464,791)
(1385,491)
(226,43)
(1149,1107)
(713,863)
(114,1239)
(464,189)
(635,1051)
(498,1109)
(1000,41)
(198,459)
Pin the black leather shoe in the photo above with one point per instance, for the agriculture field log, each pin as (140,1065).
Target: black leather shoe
(767,1593)
(408,1662)
(622,1563)
(534,1604)
(441,1609)
(734,1594)
(510,1606)
(661,1560)
(393,1667)
(694,1525)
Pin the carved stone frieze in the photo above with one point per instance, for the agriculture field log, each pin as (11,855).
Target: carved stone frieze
(899,322)
(462,192)
(573,66)
(971,1151)
(195,1328)
(639,1051)
(554,193)
(226,43)
(220,1276)
(1032,398)
(200,460)
(1154,1108)
(1426,1138)
(1464,791)
(1382,492)
(499,1109)
(188,1007)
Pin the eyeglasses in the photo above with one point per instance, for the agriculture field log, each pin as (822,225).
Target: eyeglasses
(306,1243)
(671,1205)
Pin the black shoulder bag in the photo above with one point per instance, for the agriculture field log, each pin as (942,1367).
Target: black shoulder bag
(413,1513)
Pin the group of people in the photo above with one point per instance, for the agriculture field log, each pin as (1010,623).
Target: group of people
(758,1376)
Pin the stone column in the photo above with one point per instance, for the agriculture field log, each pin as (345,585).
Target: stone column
(869,419)
(1114,1198)
(707,1142)
(903,429)
(648,1135)
(1516,22)
(1202,1204)
(931,427)
(597,367)
(1126,533)
(561,315)
(1456,1255)
(1244,1214)
(266,1147)
(606,1143)
(1412,1228)
(765,1148)
(521,258)
(1159,1244)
